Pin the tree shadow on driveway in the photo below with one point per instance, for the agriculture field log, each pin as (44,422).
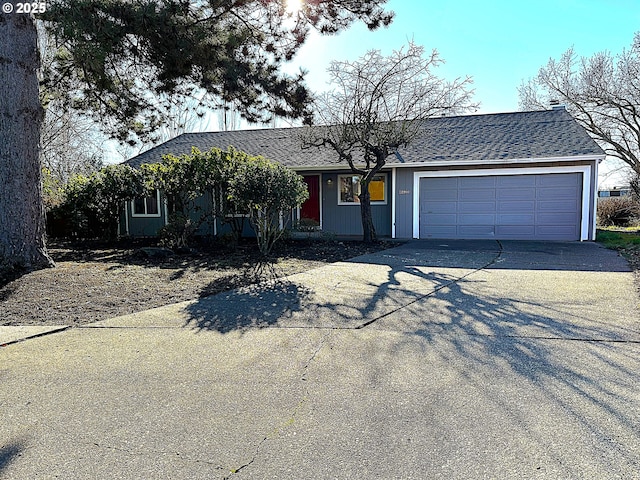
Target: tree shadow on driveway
(8,453)
(505,332)
(255,306)
(512,334)
(508,350)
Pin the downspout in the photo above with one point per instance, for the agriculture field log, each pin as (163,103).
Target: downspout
(126,217)
(166,210)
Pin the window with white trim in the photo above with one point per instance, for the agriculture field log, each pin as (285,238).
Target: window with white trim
(146,206)
(349,189)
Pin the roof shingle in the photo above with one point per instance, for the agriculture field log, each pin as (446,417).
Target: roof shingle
(492,138)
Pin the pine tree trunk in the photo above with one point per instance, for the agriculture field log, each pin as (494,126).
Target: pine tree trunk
(22,220)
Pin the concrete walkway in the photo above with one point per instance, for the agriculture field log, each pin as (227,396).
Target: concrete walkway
(435,359)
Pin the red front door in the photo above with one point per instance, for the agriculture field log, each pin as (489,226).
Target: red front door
(311,208)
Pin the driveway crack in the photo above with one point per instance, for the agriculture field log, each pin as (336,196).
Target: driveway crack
(434,291)
(290,420)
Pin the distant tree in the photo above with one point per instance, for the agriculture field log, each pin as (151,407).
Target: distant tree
(377,105)
(602,92)
(71,142)
(266,191)
(114,57)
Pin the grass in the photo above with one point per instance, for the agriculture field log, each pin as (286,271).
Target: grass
(619,238)
(626,241)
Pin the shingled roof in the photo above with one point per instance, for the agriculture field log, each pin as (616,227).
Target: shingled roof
(493,138)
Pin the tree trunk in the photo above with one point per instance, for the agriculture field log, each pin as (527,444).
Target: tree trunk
(22,220)
(369,231)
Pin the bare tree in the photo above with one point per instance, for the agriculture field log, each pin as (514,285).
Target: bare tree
(183,113)
(602,92)
(70,144)
(377,105)
(227,116)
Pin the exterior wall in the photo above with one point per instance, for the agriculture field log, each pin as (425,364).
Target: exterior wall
(404,191)
(345,219)
(204,203)
(593,213)
(142,226)
(224,228)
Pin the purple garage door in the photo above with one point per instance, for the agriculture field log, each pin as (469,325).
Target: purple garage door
(518,207)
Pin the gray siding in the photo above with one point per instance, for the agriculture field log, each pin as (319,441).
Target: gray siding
(345,219)
(144,226)
(204,203)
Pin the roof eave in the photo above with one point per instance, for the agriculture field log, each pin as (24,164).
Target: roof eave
(457,163)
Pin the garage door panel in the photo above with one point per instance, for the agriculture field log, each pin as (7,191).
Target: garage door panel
(525,193)
(443,183)
(438,195)
(476,207)
(476,231)
(555,218)
(477,194)
(442,231)
(558,179)
(517,206)
(440,218)
(531,206)
(556,232)
(439,207)
(515,231)
(557,193)
(476,219)
(560,205)
(515,219)
(516,181)
(477,182)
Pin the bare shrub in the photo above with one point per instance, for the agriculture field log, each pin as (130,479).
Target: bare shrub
(617,211)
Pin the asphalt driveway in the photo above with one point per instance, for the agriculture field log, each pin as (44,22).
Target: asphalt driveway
(435,359)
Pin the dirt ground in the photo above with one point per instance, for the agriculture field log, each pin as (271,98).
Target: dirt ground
(93,282)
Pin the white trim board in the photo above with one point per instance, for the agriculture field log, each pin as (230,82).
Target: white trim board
(393,202)
(341,167)
(490,172)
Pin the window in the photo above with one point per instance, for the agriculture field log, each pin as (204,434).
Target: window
(349,189)
(147,206)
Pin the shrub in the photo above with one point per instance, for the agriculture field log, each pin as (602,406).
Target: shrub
(266,190)
(178,232)
(92,205)
(617,211)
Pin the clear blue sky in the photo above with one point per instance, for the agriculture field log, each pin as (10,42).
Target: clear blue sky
(497,42)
